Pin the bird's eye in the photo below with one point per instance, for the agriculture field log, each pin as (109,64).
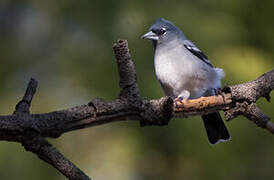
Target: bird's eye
(162,31)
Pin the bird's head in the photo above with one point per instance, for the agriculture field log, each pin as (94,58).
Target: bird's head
(162,32)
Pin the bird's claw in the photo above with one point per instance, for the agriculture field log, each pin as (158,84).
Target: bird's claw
(179,102)
(217,91)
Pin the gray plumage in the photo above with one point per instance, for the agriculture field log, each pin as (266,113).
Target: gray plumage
(185,72)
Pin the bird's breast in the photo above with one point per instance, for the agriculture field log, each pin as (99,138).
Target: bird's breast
(177,73)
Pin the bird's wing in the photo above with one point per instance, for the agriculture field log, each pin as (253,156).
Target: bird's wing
(196,51)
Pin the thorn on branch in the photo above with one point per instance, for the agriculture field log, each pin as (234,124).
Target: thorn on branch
(23,106)
(98,103)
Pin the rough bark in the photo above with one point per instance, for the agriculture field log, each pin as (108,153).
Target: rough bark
(31,129)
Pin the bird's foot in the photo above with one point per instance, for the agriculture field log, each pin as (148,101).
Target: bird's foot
(179,102)
(217,91)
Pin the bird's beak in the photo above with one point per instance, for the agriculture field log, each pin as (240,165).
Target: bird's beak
(150,36)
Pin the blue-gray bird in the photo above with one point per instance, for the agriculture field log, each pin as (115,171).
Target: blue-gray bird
(185,72)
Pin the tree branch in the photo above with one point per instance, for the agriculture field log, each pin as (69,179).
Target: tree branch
(30,136)
(24,105)
(31,129)
(51,155)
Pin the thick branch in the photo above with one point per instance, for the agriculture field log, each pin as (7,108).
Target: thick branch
(253,90)
(99,111)
(31,129)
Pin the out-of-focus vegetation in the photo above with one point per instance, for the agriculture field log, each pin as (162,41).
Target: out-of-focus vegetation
(67,47)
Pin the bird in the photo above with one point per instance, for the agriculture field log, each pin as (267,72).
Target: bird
(185,72)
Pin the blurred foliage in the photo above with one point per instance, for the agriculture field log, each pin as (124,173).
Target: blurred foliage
(67,46)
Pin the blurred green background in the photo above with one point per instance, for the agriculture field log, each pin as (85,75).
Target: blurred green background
(67,46)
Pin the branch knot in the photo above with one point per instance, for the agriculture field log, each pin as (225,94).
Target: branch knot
(157,112)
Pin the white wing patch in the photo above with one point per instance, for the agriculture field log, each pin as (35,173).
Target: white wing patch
(196,51)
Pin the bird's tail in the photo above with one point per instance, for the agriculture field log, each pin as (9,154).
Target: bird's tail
(215,128)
